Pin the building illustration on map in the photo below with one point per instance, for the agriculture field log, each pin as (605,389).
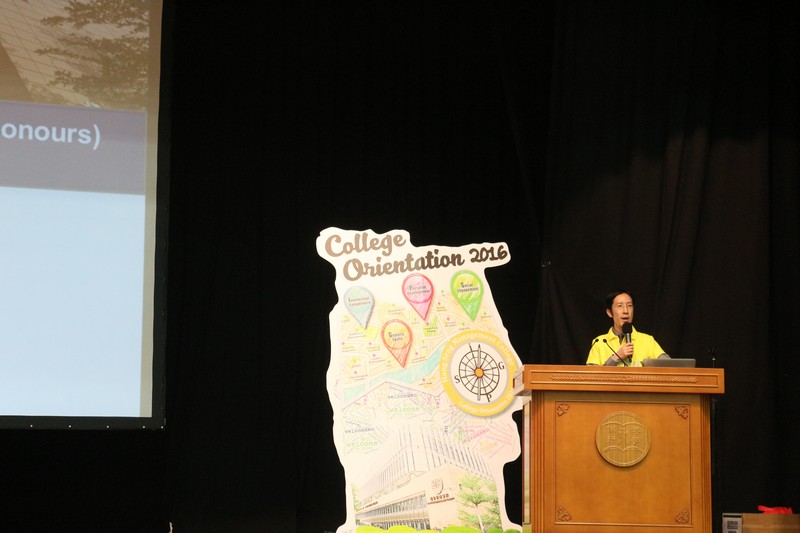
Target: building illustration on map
(417,479)
(420,381)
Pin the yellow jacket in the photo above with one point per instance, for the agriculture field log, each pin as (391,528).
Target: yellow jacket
(605,346)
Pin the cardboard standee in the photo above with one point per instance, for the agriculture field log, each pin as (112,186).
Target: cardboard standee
(420,382)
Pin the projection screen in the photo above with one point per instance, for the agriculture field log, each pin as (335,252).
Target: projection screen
(81,341)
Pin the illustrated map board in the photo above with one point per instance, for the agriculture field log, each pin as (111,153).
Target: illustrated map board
(421,383)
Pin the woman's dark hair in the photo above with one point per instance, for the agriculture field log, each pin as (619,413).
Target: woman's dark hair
(613,294)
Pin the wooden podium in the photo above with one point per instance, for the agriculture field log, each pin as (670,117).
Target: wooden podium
(617,449)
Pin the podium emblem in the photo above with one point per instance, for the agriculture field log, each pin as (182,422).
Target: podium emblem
(623,439)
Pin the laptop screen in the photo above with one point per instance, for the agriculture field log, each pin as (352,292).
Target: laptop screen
(670,363)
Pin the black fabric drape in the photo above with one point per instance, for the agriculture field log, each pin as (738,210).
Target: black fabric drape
(672,172)
(652,145)
(361,116)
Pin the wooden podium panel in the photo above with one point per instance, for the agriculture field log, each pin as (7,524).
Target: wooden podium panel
(617,449)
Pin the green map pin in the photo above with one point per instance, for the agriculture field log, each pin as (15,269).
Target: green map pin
(467,288)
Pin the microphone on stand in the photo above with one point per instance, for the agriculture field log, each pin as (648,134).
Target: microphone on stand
(595,341)
(615,352)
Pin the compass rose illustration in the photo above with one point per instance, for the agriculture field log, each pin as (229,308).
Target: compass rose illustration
(476,369)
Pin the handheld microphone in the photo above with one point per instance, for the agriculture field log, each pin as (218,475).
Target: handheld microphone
(627,329)
(615,352)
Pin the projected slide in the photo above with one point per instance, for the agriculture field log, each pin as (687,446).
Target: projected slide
(78,102)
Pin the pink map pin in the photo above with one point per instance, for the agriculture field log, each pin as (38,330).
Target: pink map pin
(396,337)
(418,291)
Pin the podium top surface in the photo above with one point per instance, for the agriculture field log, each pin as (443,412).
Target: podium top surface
(619,379)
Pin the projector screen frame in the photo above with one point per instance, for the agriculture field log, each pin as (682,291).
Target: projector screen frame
(154,314)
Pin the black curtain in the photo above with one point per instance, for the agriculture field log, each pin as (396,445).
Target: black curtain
(287,120)
(651,145)
(672,172)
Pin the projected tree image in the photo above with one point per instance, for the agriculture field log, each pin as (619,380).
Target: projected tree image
(105,45)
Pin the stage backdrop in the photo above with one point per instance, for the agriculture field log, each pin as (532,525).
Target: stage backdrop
(421,383)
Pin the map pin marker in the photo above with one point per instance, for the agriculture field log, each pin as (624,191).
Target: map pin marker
(359,302)
(418,291)
(396,337)
(467,288)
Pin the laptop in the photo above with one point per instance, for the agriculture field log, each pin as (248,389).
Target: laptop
(670,363)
